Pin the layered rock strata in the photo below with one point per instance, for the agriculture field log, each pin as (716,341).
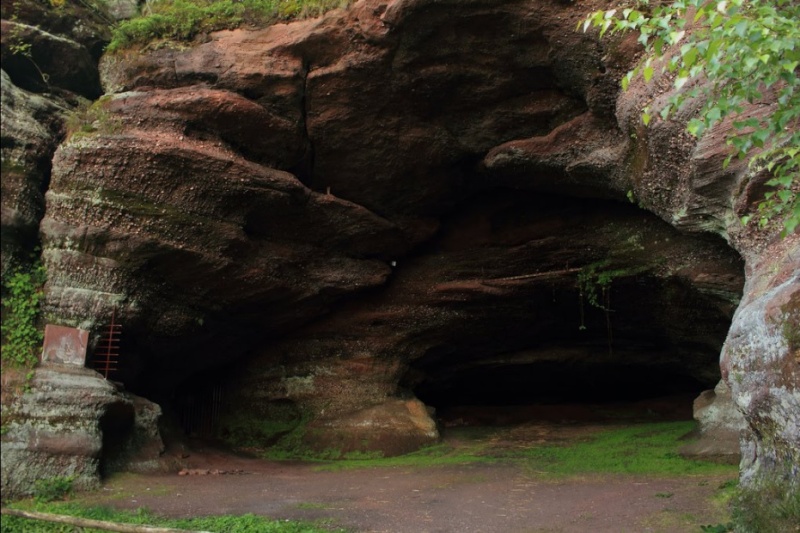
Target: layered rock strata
(75,425)
(49,56)
(397,198)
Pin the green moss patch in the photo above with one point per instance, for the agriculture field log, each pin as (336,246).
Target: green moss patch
(648,449)
(642,449)
(183,20)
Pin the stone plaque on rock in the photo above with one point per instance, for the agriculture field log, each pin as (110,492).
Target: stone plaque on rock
(64,345)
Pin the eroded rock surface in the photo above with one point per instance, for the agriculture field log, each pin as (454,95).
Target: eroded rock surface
(413,198)
(497,307)
(319,152)
(761,362)
(75,424)
(49,57)
(30,132)
(720,427)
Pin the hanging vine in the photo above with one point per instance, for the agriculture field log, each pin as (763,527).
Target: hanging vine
(594,287)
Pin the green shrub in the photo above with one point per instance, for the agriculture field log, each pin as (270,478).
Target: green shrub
(52,489)
(182,20)
(22,336)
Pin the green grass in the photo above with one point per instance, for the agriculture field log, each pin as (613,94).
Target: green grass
(248,523)
(646,449)
(182,20)
(428,457)
(772,507)
(650,449)
(641,449)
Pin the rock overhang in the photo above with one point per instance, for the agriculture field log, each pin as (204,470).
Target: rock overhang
(392,137)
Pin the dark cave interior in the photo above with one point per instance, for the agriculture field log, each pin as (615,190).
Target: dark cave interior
(652,330)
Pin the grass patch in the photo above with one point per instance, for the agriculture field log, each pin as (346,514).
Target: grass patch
(182,20)
(772,507)
(248,523)
(428,457)
(91,118)
(649,449)
(642,449)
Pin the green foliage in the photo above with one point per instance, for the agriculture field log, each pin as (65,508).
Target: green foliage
(15,524)
(594,286)
(52,489)
(594,281)
(247,523)
(18,47)
(650,449)
(22,336)
(730,53)
(182,20)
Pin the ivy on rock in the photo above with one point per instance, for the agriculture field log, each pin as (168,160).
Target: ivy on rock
(729,53)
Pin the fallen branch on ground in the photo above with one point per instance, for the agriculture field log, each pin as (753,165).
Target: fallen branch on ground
(96,524)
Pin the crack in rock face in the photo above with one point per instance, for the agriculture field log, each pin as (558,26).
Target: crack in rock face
(338,219)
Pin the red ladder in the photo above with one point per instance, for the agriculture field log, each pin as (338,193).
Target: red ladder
(107,351)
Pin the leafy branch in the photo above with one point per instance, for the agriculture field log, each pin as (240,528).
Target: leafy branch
(19,47)
(730,53)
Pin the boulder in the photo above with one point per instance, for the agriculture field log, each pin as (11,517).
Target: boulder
(720,427)
(74,424)
(392,428)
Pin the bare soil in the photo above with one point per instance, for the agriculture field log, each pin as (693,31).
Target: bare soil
(475,497)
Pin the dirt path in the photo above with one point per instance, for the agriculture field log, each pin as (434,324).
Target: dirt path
(477,497)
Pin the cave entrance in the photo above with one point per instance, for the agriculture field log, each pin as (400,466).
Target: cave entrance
(549,357)
(492,394)
(117,427)
(551,303)
(198,403)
